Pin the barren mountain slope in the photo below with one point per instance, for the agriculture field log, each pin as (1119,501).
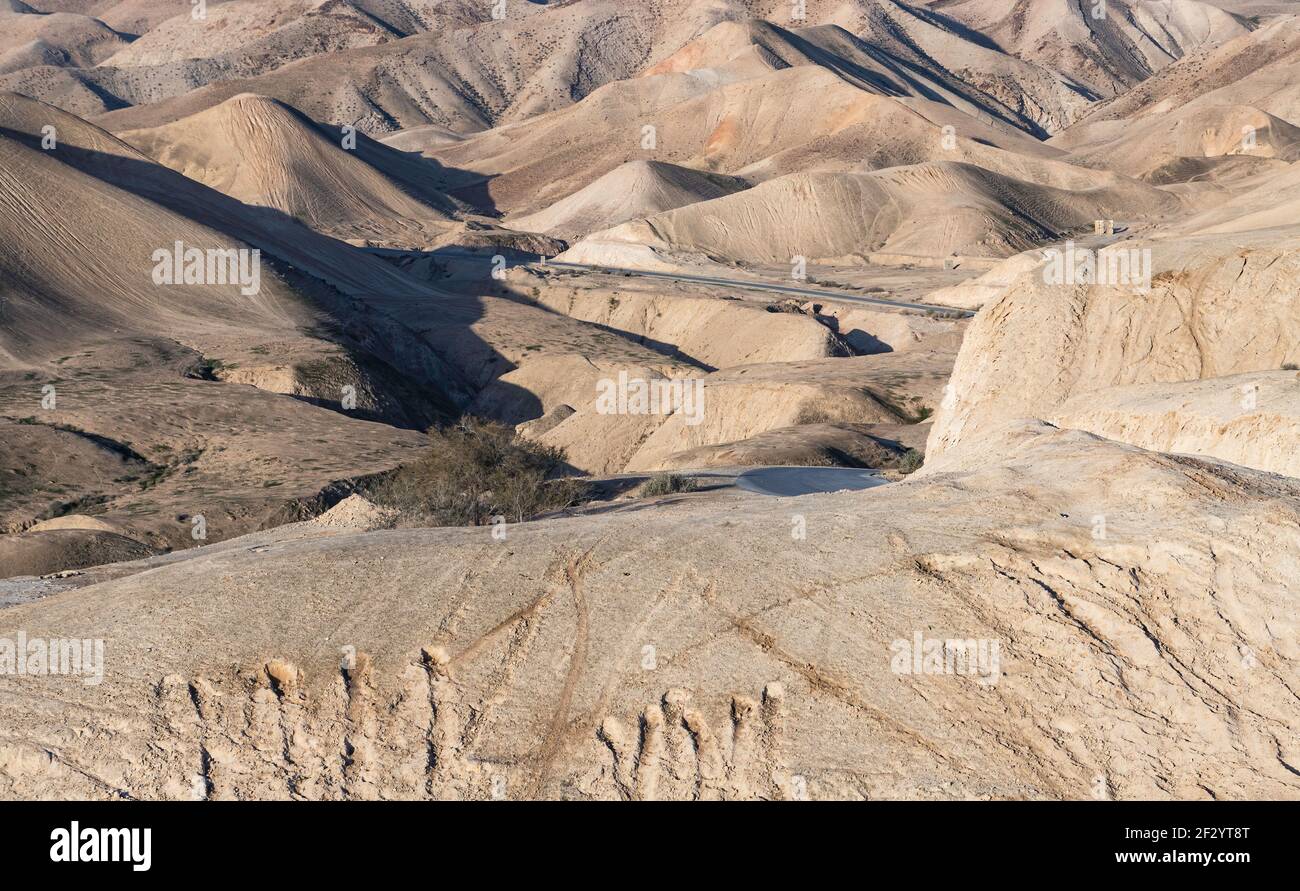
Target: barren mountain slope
(1267,201)
(416,62)
(270,28)
(932,210)
(91,178)
(1114,50)
(883,58)
(758,128)
(1158,146)
(1116,617)
(175,382)
(488,349)
(636,189)
(461,77)
(1258,69)
(28,38)
(179,447)
(1041,93)
(239,39)
(263,152)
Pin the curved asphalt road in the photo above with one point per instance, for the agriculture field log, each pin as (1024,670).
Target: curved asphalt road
(790,482)
(745,284)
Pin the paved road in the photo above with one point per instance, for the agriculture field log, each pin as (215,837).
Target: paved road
(788,482)
(785,481)
(746,284)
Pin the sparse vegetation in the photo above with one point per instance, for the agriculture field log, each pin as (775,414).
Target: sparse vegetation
(1290,366)
(206,369)
(475,470)
(667,484)
(911,461)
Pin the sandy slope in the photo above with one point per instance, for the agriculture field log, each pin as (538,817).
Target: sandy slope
(1266,201)
(263,152)
(636,189)
(390,64)
(1133,40)
(463,74)
(177,52)
(935,210)
(28,38)
(267,27)
(136,366)
(711,645)
(59,203)
(1155,146)
(757,128)
(880,55)
(1255,69)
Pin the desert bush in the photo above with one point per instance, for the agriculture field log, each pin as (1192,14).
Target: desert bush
(475,470)
(911,461)
(667,484)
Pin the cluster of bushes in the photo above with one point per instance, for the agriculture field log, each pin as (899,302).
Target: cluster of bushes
(475,470)
(667,484)
(911,461)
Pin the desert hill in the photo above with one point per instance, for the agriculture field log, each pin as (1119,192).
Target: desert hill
(756,128)
(1266,201)
(881,62)
(1255,69)
(637,189)
(1157,146)
(1110,53)
(269,29)
(28,38)
(463,75)
(264,153)
(935,210)
(395,64)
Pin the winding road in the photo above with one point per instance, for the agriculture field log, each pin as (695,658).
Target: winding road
(785,481)
(790,482)
(744,284)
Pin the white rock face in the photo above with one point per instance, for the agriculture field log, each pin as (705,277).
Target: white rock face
(1217,306)
(1248,419)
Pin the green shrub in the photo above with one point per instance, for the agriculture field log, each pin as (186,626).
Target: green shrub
(667,484)
(911,461)
(475,470)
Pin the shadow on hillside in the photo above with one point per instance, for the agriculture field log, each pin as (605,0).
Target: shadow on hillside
(400,322)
